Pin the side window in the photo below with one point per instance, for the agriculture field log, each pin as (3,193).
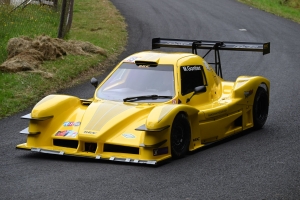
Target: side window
(191,77)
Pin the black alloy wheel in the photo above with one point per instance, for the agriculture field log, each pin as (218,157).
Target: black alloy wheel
(260,108)
(180,136)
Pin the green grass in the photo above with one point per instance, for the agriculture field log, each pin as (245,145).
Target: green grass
(289,9)
(102,25)
(32,21)
(28,88)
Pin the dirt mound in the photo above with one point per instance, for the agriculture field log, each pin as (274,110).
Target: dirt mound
(26,54)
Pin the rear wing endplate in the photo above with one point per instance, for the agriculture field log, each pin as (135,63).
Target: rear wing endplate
(206,44)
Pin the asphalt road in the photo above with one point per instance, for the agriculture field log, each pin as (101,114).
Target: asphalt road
(260,164)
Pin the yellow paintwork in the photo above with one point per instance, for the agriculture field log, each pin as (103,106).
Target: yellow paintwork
(211,114)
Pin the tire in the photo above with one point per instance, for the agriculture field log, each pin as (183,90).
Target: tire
(260,108)
(180,136)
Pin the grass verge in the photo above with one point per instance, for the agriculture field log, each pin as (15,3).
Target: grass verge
(289,9)
(94,21)
(31,21)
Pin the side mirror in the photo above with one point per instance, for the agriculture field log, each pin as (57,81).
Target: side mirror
(197,90)
(94,82)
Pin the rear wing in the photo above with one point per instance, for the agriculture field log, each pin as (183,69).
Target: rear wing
(211,45)
(206,44)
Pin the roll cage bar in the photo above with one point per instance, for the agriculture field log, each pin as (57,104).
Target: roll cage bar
(211,45)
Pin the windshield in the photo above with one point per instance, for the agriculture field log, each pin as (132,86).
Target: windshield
(130,80)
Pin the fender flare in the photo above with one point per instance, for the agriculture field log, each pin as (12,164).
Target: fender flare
(245,87)
(54,104)
(163,116)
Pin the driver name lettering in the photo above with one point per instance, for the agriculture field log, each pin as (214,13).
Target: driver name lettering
(191,68)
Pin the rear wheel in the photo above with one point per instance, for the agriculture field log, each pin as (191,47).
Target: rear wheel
(180,136)
(260,108)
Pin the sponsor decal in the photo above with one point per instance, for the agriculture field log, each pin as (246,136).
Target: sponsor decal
(128,135)
(71,133)
(174,101)
(71,124)
(144,66)
(68,123)
(191,68)
(248,93)
(77,123)
(90,132)
(61,133)
(180,43)
(160,151)
(196,139)
(131,59)
(67,133)
(241,46)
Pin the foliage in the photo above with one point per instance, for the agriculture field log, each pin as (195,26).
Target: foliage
(102,25)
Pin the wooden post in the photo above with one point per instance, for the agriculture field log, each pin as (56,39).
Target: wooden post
(62,19)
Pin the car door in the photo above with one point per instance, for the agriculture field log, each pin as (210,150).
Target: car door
(211,113)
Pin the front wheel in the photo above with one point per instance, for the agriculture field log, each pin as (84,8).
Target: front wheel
(180,136)
(260,108)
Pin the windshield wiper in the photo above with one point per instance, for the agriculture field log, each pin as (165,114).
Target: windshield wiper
(154,96)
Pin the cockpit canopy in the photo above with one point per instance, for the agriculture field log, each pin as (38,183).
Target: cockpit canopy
(131,80)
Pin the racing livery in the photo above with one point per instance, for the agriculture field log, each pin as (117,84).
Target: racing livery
(153,106)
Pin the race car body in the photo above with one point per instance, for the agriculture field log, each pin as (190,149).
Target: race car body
(153,106)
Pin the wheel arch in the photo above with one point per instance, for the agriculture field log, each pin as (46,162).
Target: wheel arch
(246,86)
(265,86)
(164,115)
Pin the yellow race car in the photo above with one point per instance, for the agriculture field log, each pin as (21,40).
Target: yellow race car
(153,106)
